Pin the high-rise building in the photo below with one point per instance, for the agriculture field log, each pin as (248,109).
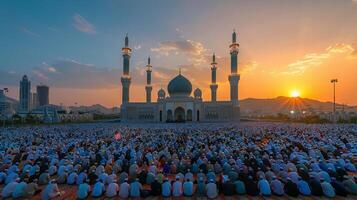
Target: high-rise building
(7,105)
(42,95)
(25,94)
(4,106)
(34,101)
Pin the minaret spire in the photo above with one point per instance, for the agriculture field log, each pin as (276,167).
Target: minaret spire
(148,86)
(213,85)
(234,36)
(126,40)
(126,79)
(234,77)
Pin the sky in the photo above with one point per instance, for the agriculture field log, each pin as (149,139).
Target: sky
(75,47)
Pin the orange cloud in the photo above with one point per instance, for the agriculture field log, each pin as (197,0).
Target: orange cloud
(316,59)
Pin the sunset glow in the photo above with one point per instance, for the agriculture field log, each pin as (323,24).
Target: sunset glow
(76,50)
(295,93)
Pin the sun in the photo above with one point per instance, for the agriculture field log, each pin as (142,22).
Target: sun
(295,93)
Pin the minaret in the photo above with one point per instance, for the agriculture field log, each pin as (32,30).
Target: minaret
(148,86)
(234,77)
(126,79)
(213,85)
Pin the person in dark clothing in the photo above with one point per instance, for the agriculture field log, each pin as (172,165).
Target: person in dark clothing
(203,167)
(251,187)
(340,173)
(339,188)
(92,178)
(316,188)
(331,173)
(142,176)
(291,188)
(35,176)
(304,175)
(228,188)
(155,188)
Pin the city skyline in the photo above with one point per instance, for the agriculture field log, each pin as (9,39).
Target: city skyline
(76,50)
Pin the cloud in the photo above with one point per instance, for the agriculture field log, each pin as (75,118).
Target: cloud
(194,50)
(29,32)
(72,74)
(81,24)
(68,73)
(354,47)
(40,75)
(248,66)
(137,47)
(316,59)
(180,32)
(49,68)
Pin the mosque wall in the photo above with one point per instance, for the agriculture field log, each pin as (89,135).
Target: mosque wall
(219,111)
(139,112)
(195,111)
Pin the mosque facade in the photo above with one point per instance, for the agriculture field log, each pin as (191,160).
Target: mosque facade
(180,105)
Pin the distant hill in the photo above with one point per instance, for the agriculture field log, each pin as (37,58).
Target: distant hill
(285,104)
(279,104)
(252,105)
(97,108)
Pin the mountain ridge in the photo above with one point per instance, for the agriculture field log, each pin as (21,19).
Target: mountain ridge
(279,104)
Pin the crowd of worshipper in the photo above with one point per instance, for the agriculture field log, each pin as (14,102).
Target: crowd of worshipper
(173,160)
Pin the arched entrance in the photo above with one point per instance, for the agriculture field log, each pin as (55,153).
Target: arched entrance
(189,115)
(198,116)
(169,117)
(179,114)
(160,115)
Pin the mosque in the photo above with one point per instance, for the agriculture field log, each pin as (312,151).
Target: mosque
(179,105)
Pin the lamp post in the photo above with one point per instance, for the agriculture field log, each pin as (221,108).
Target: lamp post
(334,81)
(6,90)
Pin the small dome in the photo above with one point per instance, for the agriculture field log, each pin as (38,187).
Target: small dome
(179,85)
(197,93)
(161,93)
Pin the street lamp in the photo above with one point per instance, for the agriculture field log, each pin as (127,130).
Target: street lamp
(3,114)
(334,81)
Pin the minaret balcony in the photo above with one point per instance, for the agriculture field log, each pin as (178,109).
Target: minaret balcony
(126,51)
(148,68)
(234,47)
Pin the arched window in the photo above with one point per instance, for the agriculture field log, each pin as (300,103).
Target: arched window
(179,114)
(160,115)
(198,116)
(169,116)
(189,115)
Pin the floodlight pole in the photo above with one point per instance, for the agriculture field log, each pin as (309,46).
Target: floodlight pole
(3,114)
(334,81)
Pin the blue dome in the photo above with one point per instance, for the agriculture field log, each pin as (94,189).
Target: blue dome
(179,85)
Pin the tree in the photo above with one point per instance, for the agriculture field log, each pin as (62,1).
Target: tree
(16,119)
